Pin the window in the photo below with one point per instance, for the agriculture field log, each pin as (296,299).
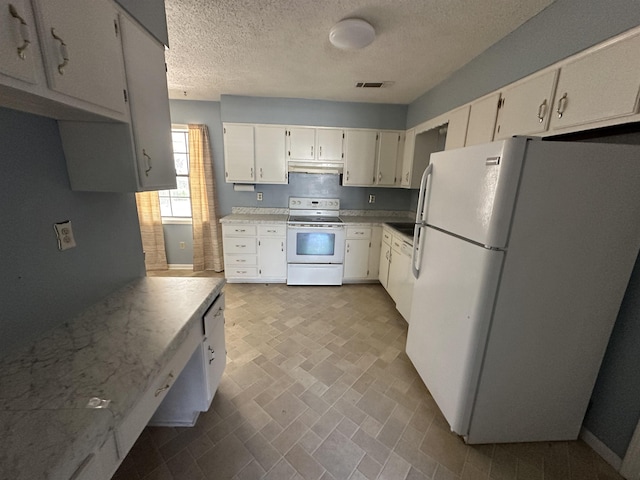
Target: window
(177,203)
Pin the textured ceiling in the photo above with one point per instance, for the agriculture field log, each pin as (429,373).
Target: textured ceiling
(280,48)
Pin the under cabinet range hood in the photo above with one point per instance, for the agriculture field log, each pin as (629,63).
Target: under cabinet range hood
(301,166)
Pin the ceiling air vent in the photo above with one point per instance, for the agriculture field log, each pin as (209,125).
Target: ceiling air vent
(373,84)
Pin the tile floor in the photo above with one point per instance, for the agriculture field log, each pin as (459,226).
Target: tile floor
(318,386)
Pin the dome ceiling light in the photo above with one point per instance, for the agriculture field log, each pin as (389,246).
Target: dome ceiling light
(351,33)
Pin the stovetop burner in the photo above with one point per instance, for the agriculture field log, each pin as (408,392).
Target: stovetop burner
(314,219)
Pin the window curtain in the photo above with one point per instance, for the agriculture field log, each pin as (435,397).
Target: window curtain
(207,233)
(155,256)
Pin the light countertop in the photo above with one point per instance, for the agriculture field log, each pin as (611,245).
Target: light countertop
(112,350)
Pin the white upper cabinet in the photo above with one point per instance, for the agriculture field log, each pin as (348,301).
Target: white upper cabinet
(457,128)
(270,154)
(388,149)
(82,51)
(407,157)
(526,106)
(482,120)
(239,153)
(329,144)
(149,104)
(18,47)
(302,143)
(599,86)
(360,157)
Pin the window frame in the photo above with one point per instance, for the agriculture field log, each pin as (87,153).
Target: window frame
(179,220)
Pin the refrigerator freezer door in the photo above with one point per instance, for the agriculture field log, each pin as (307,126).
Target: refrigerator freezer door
(450,315)
(473,190)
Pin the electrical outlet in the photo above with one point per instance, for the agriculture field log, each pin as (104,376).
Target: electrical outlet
(182,245)
(64,234)
(259,196)
(372,199)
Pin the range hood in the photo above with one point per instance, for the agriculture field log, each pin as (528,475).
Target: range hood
(301,166)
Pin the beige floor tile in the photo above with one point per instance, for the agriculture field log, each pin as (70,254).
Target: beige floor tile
(339,455)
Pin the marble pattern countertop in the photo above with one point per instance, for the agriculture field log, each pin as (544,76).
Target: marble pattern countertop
(112,350)
(349,217)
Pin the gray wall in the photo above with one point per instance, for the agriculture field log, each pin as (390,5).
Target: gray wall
(42,286)
(293,112)
(173,235)
(562,29)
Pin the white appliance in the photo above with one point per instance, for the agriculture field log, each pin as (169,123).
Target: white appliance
(522,251)
(315,242)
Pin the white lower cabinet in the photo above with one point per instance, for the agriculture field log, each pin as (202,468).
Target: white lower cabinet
(400,284)
(385,258)
(255,252)
(362,249)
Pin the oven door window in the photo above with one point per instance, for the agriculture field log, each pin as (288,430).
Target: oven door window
(319,243)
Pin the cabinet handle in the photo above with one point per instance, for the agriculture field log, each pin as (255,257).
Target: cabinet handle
(63,51)
(379,177)
(24,32)
(282,246)
(407,177)
(347,174)
(320,151)
(542,111)
(260,172)
(242,271)
(562,103)
(240,230)
(240,260)
(212,354)
(251,174)
(167,386)
(147,160)
(312,150)
(240,246)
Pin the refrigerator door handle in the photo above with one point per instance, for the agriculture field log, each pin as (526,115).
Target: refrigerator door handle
(421,218)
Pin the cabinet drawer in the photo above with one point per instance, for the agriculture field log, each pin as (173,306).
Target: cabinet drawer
(358,232)
(240,260)
(133,424)
(397,242)
(239,230)
(386,236)
(239,245)
(240,272)
(272,230)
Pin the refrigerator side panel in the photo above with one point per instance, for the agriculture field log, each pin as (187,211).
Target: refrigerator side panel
(473,190)
(450,313)
(574,241)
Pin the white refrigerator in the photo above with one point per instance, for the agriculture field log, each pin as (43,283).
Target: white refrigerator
(523,249)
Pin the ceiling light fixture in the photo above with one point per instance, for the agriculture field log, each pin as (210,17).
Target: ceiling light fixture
(351,33)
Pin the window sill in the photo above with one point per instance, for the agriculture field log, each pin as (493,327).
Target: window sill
(176,221)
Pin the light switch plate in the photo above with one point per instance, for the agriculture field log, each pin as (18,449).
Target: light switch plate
(64,233)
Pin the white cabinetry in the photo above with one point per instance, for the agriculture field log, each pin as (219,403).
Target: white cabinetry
(407,158)
(600,86)
(457,128)
(385,257)
(272,252)
(315,144)
(255,252)
(388,150)
(360,157)
(239,157)
(270,154)
(525,107)
(482,120)
(127,157)
(82,50)
(362,252)
(18,47)
(400,283)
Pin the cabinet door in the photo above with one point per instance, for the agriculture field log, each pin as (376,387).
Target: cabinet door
(82,50)
(214,356)
(238,153)
(525,108)
(388,145)
(374,253)
(149,104)
(17,40)
(360,157)
(272,257)
(385,259)
(356,259)
(482,120)
(457,128)
(407,157)
(599,86)
(329,144)
(302,143)
(270,151)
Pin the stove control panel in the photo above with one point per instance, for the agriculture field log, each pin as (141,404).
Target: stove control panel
(303,203)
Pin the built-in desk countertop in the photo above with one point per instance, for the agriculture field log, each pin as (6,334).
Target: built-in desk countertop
(113,350)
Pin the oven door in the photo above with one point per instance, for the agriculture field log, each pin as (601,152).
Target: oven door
(315,244)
